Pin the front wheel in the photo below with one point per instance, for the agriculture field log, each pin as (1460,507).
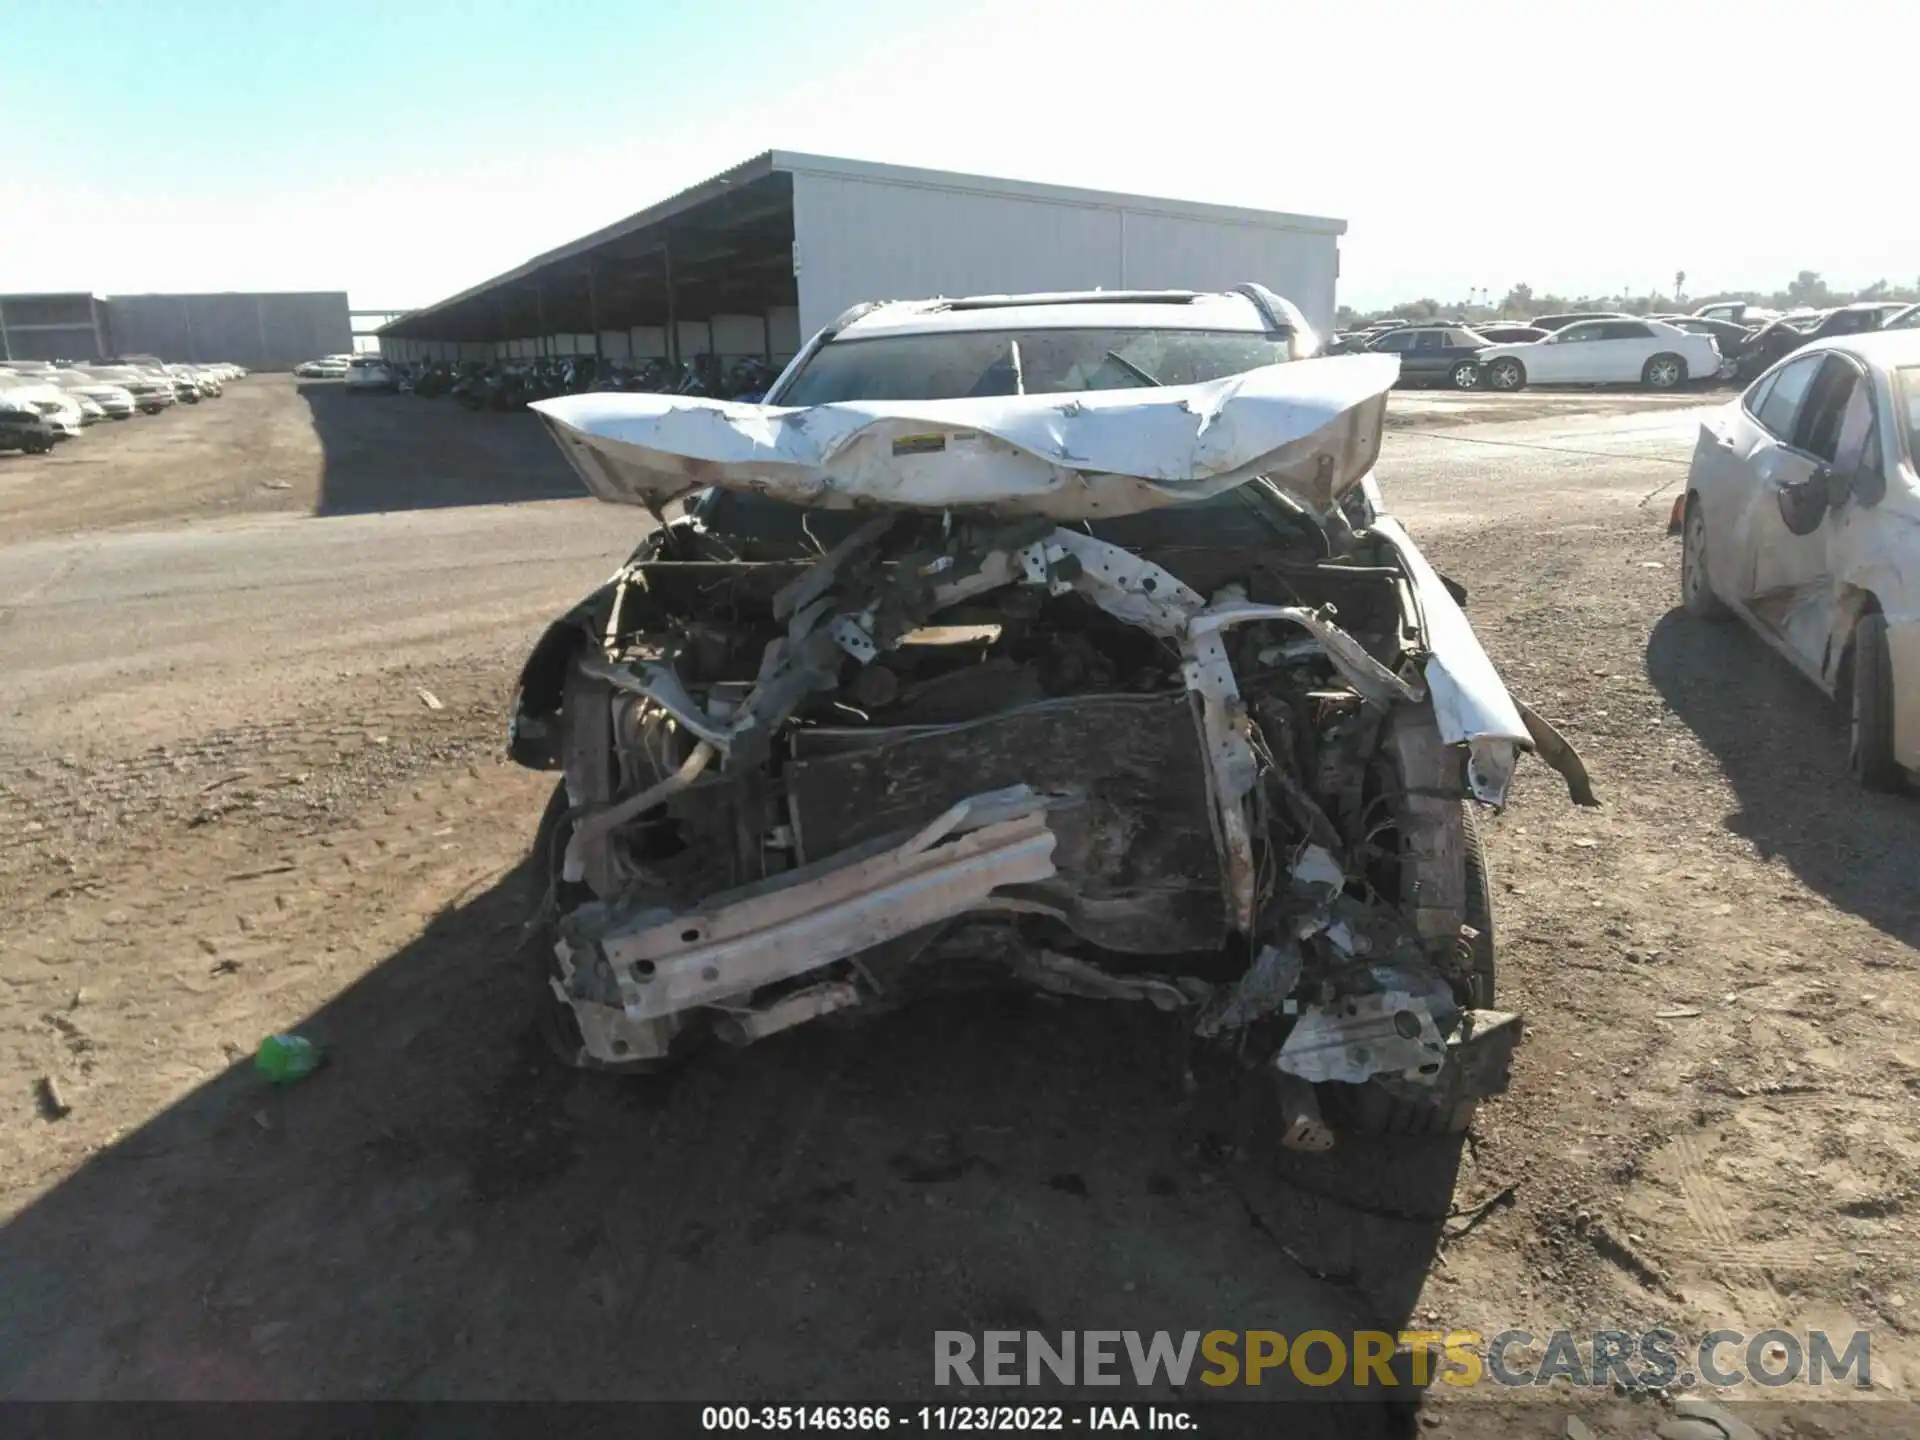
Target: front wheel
(1374,1109)
(1465,376)
(556,1024)
(1506,374)
(1870,696)
(1664,372)
(1696,594)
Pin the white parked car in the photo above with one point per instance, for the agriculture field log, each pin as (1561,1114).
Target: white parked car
(324,369)
(1605,352)
(152,392)
(61,410)
(369,373)
(115,401)
(1802,517)
(1737,312)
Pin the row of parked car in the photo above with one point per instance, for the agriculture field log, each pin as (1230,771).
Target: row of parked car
(1726,341)
(45,402)
(514,384)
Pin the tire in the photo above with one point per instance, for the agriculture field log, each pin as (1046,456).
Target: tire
(558,1029)
(1374,1111)
(1664,371)
(1696,595)
(1506,374)
(1465,376)
(1870,707)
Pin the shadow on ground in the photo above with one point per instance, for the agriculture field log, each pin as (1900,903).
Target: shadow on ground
(396,452)
(442,1212)
(1783,747)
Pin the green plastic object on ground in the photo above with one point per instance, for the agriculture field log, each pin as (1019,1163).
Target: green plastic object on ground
(284,1059)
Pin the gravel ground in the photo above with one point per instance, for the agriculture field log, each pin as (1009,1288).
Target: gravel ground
(253,768)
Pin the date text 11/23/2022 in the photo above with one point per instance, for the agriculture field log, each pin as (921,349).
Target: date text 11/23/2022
(978,1419)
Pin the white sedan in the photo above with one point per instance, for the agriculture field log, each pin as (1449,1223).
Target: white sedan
(1802,518)
(367,373)
(1621,351)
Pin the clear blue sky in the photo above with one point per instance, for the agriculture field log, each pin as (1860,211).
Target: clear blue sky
(408,148)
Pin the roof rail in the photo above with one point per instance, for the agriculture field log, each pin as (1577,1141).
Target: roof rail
(851,314)
(1279,312)
(1076,297)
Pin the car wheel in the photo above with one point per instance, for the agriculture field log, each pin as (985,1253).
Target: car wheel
(1870,751)
(1696,595)
(1372,1109)
(558,1028)
(1664,372)
(1506,373)
(1465,376)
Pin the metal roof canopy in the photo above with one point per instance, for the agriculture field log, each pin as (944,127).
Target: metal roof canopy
(724,245)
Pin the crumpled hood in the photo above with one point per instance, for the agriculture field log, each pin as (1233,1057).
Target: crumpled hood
(1311,426)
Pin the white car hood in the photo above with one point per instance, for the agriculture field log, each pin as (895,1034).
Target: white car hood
(1311,426)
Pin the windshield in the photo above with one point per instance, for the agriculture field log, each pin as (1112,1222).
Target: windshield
(972,363)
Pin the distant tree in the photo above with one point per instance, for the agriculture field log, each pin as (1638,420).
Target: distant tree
(1808,288)
(1876,291)
(1518,300)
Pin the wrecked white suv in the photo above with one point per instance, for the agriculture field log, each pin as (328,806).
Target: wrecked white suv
(1058,637)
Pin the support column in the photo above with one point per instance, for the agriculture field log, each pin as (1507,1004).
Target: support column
(593,309)
(673,310)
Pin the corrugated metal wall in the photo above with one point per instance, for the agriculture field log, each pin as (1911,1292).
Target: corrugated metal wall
(262,332)
(52,327)
(866,239)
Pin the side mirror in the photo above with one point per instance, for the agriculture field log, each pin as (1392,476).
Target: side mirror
(1803,503)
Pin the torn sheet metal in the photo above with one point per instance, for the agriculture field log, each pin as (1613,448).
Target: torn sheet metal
(1367,675)
(736,942)
(1554,749)
(1312,427)
(1470,704)
(1360,1036)
(1261,991)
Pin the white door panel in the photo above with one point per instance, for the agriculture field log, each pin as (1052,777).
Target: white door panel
(1724,475)
(1627,358)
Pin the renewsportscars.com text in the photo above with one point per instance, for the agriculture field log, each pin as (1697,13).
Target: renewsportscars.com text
(1651,1359)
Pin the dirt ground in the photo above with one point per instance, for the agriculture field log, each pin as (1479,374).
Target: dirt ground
(1711,1124)
(273,444)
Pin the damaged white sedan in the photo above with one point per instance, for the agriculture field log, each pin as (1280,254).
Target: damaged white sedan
(1059,637)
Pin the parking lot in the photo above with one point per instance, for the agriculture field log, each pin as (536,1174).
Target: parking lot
(259,655)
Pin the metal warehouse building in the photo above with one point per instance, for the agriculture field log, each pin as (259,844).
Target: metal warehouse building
(749,262)
(271,331)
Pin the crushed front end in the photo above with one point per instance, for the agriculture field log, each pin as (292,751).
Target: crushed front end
(1209,758)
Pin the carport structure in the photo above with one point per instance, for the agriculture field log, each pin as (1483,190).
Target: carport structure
(710,270)
(745,264)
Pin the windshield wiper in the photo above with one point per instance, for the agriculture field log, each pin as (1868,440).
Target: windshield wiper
(1130,367)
